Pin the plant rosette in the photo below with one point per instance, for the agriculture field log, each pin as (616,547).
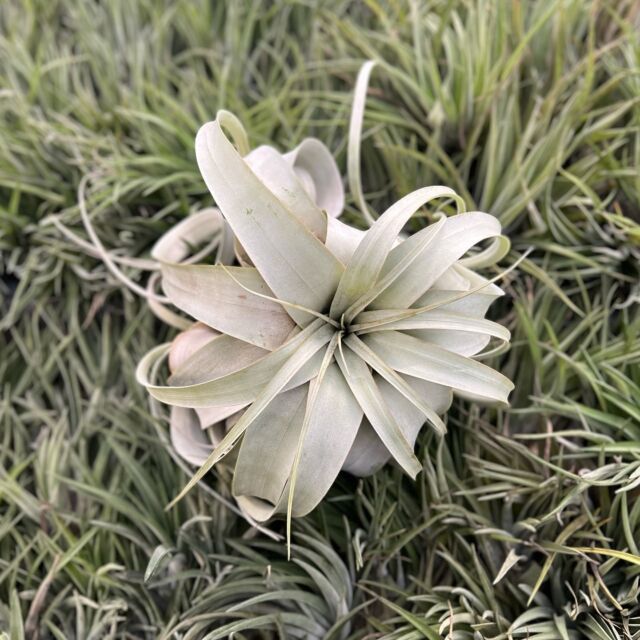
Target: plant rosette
(317,347)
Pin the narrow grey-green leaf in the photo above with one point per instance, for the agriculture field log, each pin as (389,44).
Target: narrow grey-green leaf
(16,624)
(159,558)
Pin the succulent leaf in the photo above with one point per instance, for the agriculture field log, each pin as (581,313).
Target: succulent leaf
(267,451)
(315,337)
(216,358)
(239,386)
(396,381)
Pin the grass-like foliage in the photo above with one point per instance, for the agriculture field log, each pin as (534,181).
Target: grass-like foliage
(524,521)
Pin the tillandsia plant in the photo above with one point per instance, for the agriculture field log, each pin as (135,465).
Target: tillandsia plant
(318,347)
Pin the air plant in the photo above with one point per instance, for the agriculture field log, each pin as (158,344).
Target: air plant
(317,347)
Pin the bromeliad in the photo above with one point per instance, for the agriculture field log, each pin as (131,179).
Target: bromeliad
(318,347)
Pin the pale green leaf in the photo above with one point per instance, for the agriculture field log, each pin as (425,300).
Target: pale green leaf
(232,124)
(459,234)
(364,388)
(497,250)
(355,134)
(312,158)
(333,422)
(216,358)
(366,264)
(464,343)
(426,240)
(285,184)
(209,416)
(455,332)
(267,451)
(199,228)
(186,343)
(314,388)
(414,357)
(436,319)
(367,454)
(238,387)
(294,263)
(161,310)
(314,339)
(187,436)
(397,381)
(342,239)
(269,446)
(212,295)
(454,281)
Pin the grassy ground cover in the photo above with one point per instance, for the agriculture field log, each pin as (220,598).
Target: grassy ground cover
(525,523)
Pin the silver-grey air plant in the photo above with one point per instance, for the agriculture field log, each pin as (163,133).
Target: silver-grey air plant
(317,347)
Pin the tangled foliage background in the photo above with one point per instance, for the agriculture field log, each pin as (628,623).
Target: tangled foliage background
(524,523)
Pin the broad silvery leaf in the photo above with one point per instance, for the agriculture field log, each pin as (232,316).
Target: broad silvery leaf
(317,346)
